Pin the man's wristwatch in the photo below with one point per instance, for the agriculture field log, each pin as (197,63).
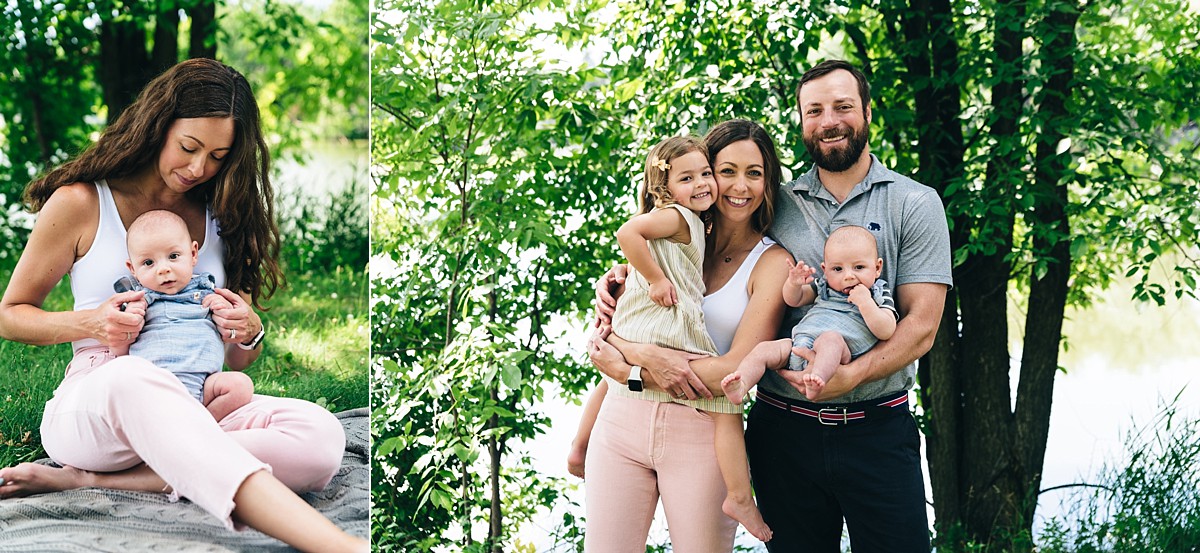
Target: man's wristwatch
(635,379)
(258,338)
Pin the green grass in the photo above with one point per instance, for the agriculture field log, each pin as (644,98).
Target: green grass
(315,349)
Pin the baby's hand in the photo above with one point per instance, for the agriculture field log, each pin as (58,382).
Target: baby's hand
(860,295)
(663,293)
(800,273)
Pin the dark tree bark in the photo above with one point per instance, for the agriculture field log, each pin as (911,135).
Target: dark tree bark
(166,39)
(990,470)
(126,66)
(1047,292)
(985,458)
(123,62)
(496,512)
(203,38)
(932,51)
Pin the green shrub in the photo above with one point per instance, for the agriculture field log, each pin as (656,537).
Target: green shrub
(1150,504)
(323,231)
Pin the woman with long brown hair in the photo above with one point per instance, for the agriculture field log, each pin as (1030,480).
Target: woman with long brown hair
(190,144)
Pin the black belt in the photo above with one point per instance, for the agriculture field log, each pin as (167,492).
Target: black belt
(837,414)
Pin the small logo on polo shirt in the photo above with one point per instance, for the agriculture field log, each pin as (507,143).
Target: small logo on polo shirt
(873,226)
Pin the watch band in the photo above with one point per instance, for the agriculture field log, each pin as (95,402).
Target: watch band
(635,379)
(258,338)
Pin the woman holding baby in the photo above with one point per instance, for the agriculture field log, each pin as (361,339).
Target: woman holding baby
(190,144)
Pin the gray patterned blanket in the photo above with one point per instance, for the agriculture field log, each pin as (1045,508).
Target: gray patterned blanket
(102,520)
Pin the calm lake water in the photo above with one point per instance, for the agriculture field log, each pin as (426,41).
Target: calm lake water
(330,167)
(1123,362)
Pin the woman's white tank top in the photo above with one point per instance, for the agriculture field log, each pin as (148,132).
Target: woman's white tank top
(723,309)
(93,275)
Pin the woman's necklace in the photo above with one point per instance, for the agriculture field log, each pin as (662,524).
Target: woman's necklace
(743,249)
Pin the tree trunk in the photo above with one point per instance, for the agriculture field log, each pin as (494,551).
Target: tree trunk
(166,39)
(990,470)
(123,62)
(496,514)
(1047,292)
(931,56)
(126,66)
(203,38)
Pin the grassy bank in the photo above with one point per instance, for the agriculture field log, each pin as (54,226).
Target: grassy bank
(316,349)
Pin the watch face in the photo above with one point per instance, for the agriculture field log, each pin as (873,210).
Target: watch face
(635,385)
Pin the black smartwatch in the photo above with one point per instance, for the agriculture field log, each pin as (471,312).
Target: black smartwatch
(635,379)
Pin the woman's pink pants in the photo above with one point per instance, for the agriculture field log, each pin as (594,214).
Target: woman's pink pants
(641,450)
(111,414)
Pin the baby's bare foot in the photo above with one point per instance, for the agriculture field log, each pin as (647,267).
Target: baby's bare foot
(734,388)
(746,513)
(813,385)
(32,478)
(575,459)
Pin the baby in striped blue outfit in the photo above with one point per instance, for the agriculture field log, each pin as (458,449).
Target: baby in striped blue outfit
(179,334)
(852,309)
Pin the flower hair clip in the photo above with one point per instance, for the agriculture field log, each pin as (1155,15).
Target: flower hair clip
(661,164)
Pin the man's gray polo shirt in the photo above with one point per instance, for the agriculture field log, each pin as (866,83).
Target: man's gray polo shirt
(909,225)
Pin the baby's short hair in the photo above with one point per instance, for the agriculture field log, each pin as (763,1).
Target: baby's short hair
(851,234)
(154,220)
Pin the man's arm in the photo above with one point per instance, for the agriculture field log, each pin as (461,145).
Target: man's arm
(920,306)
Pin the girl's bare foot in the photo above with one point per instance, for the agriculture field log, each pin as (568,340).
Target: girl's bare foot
(576,458)
(746,513)
(813,385)
(734,388)
(32,478)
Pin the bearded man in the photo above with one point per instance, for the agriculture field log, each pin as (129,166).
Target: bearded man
(853,454)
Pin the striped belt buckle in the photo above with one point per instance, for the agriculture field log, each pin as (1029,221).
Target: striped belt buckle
(833,416)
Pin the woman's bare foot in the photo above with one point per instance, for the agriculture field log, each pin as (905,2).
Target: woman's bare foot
(746,513)
(813,385)
(576,458)
(32,478)
(734,388)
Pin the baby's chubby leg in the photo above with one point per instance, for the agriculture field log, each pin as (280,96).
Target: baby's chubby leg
(225,392)
(830,352)
(766,355)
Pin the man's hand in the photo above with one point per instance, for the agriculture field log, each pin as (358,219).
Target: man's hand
(606,294)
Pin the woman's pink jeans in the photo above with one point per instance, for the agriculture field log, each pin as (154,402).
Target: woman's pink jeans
(111,414)
(641,450)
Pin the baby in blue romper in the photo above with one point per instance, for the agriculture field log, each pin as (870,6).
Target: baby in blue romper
(852,310)
(178,334)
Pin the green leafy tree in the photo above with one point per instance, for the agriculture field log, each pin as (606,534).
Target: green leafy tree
(493,212)
(68,68)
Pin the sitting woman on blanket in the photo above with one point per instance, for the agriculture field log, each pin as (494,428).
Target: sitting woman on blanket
(190,144)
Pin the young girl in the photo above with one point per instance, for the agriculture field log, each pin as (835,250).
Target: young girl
(664,245)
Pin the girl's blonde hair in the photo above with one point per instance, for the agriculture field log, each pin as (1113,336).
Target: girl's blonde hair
(654,191)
